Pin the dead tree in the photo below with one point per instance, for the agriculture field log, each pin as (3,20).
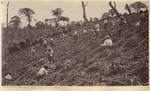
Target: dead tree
(127,7)
(115,10)
(84,13)
(7,13)
(114,5)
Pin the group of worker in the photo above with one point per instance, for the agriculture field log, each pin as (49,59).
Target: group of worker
(49,47)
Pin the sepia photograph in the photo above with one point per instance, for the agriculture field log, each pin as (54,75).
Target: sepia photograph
(75,43)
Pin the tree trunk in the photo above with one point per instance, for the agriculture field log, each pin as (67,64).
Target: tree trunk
(29,21)
(114,5)
(84,13)
(7,13)
(115,10)
(129,10)
(110,4)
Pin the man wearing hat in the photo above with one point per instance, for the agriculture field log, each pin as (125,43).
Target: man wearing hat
(96,29)
(45,42)
(33,52)
(121,25)
(8,76)
(52,42)
(75,36)
(105,25)
(51,55)
(85,33)
(108,42)
(42,72)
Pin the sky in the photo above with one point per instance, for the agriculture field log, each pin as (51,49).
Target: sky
(72,9)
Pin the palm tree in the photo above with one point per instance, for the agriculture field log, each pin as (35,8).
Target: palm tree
(27,12)
(15,22)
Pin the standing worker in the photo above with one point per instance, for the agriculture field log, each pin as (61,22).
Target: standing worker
(121,25)
(75,36)
(85,33)
(96,29)
(105,25)
(42,72)
(33,52)
(45,42)
(52,43)
(51,56)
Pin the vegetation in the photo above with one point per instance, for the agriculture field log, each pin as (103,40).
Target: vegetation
(137,6)
(28,13)
(84,63)
(15,22)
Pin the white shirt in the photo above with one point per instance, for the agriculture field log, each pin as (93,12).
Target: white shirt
(75,32)
(97,27)
(84,31)
(107,42)
(51,53)
(33,50)
(92,30)
(45,41)
(8,77)
(51,39)
(42,71)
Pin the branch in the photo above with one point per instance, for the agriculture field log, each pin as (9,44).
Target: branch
(114,5)
(8,3)
(110,4)
(85,4)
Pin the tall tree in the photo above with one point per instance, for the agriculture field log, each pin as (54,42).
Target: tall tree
(57,12)
(84,11)
(137,6)
(15,22)
(28,13)
(7,13)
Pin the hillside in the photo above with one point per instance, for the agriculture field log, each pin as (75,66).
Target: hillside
(89,63)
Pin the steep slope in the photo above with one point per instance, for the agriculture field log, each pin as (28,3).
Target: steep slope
(89,63)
